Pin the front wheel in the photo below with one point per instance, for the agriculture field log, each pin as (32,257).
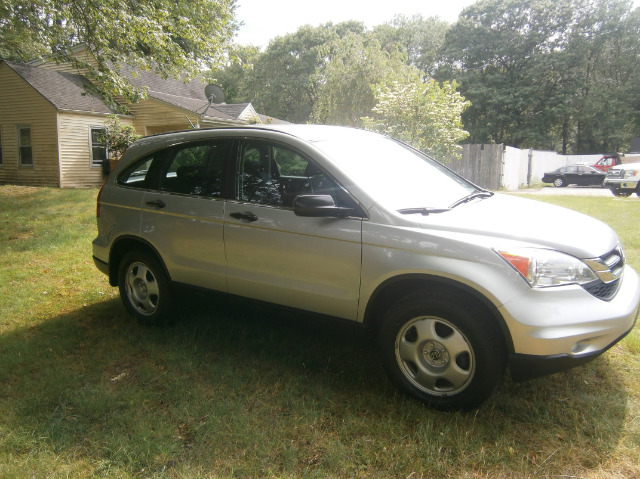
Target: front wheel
(440,350)
(621,194)
(559,182)
(144,288)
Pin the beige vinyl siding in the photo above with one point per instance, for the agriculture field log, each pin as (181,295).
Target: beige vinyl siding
(22,105)
(153,116)
(75,149)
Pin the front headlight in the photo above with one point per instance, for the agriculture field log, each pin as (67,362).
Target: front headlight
(542,268)
(630,173)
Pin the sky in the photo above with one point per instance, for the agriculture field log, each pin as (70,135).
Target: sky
(266,19)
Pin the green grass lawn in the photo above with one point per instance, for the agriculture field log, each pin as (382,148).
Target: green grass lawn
(231,391)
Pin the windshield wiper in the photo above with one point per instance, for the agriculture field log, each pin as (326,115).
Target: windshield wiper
(426,211)
(472,196)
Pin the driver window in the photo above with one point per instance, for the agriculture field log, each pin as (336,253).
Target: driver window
(258,178)
(271,174)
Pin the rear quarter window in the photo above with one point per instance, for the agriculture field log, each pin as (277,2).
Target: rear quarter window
(137,175)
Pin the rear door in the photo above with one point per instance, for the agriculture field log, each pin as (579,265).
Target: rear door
(274,255)
(183,217)
(590,176)
(572,175)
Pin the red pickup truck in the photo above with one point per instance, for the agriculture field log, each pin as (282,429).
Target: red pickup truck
(607,161)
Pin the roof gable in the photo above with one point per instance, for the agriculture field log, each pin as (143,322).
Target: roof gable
(65,91)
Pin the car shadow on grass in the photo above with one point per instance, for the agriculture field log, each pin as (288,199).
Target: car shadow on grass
(249,390)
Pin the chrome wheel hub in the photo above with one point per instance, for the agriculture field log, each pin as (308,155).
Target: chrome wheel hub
(436,354)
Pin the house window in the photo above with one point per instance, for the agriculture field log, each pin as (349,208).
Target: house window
(25,147)
(98,145)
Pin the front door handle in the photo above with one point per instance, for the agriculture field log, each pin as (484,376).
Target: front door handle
(156,204)
(244,216)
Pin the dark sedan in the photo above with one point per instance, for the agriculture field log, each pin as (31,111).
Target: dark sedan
(580,175)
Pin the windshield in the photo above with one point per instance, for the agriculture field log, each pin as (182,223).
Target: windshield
(397,176)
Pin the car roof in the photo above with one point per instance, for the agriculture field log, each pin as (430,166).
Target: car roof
(310,133)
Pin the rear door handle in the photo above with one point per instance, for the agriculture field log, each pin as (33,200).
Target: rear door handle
(156,204)
(244,216)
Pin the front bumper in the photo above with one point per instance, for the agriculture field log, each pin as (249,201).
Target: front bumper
(558,328)
(526,366)
(620,184)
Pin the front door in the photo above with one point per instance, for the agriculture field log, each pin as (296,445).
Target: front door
(274,255)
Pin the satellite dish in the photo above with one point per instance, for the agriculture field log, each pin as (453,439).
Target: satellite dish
(214,93)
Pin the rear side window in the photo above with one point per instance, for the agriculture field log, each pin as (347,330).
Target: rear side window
(192,169)
(196,169)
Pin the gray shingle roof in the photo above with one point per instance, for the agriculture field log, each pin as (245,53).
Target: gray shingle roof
(64,90)
(73,92)
(189,95)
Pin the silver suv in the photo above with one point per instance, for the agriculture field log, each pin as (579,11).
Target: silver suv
(455,281)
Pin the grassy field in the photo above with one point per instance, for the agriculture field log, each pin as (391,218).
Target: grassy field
(255,393)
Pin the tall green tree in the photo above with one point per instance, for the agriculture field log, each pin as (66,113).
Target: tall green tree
(171,38)
(492,51)
(282,81)
(419,38)
(231,76)
(546,74)
(353,64)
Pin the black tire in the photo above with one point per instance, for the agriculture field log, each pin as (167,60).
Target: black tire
(621,194)
(144,289)
(559,182)
(442,350)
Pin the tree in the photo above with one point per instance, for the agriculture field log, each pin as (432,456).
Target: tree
(422,113)
(353,64)
(231,77)
(283,80)
(546,74)
(419,38)
(171,38)
(492,51)
(118,136)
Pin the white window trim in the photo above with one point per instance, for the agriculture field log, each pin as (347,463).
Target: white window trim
(91,146)
(33,161)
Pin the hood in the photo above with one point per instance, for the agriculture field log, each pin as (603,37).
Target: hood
(530,221)
(626,166)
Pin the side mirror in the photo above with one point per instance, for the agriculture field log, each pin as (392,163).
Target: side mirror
(319,206)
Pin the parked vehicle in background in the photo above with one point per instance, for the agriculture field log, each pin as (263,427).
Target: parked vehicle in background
(456,282)
(624,180)
(610,160)
(607,161)
(580,175)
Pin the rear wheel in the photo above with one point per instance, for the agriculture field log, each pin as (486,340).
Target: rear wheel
(144,288)
(441,350)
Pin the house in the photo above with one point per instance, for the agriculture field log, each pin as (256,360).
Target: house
(51,120)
